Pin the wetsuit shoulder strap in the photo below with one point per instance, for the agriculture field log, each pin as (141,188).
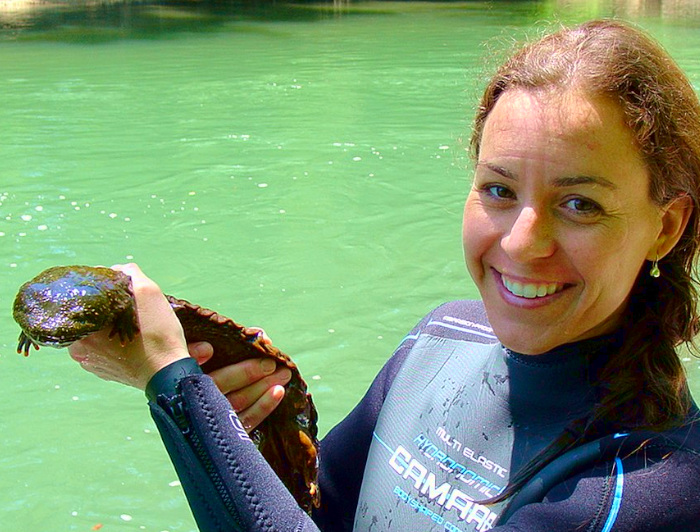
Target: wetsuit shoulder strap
(573,462)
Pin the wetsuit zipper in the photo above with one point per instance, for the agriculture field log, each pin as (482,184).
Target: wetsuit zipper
(174,405)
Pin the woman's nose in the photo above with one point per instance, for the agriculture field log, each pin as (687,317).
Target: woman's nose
(530,236)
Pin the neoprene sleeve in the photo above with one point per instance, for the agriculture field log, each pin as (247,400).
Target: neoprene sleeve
(228,484)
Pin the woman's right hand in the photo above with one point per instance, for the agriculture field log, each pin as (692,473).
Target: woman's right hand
(159,343)
(254,387)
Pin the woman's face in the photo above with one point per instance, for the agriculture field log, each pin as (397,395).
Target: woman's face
(559,221)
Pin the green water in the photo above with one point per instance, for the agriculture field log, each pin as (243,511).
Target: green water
(295,168)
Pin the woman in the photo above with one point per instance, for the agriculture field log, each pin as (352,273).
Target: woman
(561,395)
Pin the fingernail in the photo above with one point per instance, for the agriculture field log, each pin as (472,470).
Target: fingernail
(268,365)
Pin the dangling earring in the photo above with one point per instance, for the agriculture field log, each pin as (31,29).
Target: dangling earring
(655,272)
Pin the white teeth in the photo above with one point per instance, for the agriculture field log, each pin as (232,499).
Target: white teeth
(530,290)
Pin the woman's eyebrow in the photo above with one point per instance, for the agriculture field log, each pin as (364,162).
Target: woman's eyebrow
(566,181)
(572,181)
(500,170)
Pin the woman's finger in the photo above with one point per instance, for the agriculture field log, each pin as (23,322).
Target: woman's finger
(104,356)
(252,416)
(246,397)
(237,376)
(201,351)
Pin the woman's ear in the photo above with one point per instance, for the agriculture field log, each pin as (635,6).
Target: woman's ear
(674,219)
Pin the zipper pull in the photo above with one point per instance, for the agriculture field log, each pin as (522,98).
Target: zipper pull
(174,406)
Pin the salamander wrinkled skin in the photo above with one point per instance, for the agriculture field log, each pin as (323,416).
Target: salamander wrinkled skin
(66,303)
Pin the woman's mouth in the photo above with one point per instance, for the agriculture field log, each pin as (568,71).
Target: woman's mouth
(530,290)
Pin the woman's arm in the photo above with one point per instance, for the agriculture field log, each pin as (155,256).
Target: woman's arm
(229,484)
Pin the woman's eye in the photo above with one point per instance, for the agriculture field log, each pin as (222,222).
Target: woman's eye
(499,191)
(583,206)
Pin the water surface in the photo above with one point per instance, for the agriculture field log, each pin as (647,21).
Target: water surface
(297,168)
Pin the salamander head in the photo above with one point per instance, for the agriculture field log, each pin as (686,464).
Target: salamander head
(66,303)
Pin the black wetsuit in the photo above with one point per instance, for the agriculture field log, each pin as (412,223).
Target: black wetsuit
(432,456)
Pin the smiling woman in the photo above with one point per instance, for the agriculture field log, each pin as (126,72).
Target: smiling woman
(559,220)
(605,105)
